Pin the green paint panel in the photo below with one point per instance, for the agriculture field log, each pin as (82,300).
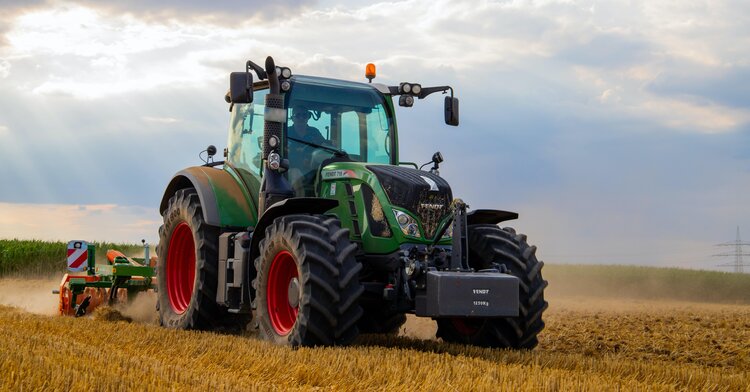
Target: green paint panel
(132,270)
(250,187)
(335,177)
(104,269)
(235,207)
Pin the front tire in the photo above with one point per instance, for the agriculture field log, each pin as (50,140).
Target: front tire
(187,271)
(489,245)
(307,284)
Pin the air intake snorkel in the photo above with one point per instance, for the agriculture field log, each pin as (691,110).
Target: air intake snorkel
(274,187)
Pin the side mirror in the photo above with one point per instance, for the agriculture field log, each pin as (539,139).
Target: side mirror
(451,111)
(241,87)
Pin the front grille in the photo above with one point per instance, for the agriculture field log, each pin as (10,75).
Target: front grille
(432,208)
(406,188)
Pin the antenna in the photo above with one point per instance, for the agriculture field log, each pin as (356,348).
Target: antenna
(737,253)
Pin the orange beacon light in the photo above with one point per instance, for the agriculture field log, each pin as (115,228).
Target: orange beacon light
(370,72)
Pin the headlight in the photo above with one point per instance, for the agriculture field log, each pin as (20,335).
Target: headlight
(407,224)
(406,101)
(416,89)
(405,88)
(274,161)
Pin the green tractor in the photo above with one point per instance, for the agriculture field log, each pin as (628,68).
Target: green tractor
(315,230)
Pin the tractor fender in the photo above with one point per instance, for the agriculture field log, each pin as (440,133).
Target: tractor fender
(294,205)
(223,202)
(489,217)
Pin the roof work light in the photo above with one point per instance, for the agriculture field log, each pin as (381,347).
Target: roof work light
(370,72)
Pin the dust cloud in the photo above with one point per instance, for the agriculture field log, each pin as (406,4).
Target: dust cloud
(31,295)
(35,295)
(142,309)
(418,327)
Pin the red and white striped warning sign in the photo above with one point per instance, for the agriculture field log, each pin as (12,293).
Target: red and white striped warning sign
(78,253)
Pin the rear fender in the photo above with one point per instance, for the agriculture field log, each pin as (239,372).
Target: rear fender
(222,198)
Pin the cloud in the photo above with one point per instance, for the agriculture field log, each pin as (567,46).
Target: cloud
(698,117)
(11,10)
(607,125)
(610,50)
(86,54)
(218,11)
(160,120)
(4,68)
(722,85)
(4,130)
(61,222)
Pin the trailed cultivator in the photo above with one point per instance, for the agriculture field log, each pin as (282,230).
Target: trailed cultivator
(89,284)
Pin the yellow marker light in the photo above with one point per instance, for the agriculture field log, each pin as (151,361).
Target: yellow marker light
(370,72)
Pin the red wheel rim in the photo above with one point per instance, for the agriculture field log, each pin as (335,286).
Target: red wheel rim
(180,268)
(282,314)
(464,327)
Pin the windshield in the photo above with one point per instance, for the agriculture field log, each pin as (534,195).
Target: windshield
(245,137)
(334,119)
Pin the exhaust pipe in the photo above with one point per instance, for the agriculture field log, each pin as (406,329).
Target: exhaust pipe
(275,187)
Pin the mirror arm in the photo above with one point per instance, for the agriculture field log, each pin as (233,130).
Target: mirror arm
(262,75)
(430,90)
(393,90)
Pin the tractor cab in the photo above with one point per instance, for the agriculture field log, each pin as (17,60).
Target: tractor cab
(326,121)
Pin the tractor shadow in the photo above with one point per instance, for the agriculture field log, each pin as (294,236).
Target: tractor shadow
(439,347)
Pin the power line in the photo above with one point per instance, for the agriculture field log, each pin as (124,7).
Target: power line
(737,253)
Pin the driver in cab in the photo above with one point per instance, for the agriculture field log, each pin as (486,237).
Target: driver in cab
(300,130)
(303,140)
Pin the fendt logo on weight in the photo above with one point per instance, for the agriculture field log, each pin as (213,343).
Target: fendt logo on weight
(481,291)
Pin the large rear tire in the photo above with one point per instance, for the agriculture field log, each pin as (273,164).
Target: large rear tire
(488,245)
(307,284)
(187,271)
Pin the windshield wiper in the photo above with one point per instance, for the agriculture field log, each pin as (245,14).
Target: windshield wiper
(336,151)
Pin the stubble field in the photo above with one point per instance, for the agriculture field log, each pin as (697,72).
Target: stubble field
(593,341)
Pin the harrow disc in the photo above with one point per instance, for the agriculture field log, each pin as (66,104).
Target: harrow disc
(66,307)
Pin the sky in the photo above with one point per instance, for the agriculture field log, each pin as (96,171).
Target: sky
(618,130)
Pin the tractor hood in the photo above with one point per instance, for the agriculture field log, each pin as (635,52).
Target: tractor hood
(423,195)
(426,195)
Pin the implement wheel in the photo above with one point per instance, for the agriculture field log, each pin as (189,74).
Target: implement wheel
(489,244)
(307,286)
(187,269)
